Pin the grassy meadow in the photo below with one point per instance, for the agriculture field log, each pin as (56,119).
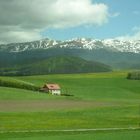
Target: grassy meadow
(100,100)
(111,135)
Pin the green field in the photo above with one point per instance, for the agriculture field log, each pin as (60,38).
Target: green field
(103,100)
(112,135)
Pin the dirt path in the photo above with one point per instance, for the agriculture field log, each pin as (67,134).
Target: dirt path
(43,105)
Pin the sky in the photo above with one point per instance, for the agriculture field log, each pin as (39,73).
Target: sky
(28,20)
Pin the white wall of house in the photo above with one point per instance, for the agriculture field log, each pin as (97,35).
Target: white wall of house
(55,92)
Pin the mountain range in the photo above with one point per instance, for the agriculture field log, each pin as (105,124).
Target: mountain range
(116,53)
(78,43)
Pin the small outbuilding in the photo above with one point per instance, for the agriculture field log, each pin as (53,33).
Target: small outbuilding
(53,89)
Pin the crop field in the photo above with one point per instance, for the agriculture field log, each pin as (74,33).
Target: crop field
(100,100)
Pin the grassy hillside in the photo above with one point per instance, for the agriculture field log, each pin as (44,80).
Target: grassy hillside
(14,83)
(114,59)
(98,86)
(60,64)
(111,85)
(101,100)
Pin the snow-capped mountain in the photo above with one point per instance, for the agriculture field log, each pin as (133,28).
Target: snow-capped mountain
(19,47)
(78,43)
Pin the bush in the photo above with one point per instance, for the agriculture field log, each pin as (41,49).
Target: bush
(134,75)
(20,85)
(64,94)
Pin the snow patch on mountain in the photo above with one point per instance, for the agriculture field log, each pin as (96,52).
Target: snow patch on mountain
(77,43)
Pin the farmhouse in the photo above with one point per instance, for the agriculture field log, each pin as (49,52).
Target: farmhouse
(53,89)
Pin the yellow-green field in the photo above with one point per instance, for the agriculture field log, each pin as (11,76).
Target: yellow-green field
(103,100)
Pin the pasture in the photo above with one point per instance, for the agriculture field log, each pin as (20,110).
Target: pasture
(112,135)
(103,100)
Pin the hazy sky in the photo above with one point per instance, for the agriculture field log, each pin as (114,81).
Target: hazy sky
(26,20)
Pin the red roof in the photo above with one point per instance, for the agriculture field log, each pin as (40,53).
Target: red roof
(53,86)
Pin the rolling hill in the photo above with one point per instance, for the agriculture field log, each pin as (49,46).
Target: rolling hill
(59,64)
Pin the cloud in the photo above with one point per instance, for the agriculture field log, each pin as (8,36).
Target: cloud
(115,14)
(134,36)
(18,36)
(22,20)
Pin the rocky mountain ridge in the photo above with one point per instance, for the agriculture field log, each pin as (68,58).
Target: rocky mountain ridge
(113,45)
